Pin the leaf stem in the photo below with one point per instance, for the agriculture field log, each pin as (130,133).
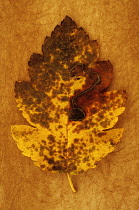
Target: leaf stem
(71,183)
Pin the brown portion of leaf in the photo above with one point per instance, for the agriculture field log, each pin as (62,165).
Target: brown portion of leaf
(50,74)
(104,109)
(104,69)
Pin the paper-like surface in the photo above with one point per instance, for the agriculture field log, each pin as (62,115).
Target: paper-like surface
(113,184)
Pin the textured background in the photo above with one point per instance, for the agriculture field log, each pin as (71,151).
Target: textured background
(114,183)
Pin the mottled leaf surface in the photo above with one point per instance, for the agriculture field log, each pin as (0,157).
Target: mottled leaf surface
(66,103)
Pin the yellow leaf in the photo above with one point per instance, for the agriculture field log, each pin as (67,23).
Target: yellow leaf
(71,115)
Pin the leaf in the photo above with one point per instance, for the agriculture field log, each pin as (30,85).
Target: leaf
(66,103)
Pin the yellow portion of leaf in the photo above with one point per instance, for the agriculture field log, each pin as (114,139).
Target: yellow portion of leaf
(90,148)
(49,153)
(39,143)
(76,146)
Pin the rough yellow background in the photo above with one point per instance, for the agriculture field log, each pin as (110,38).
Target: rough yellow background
(114,184)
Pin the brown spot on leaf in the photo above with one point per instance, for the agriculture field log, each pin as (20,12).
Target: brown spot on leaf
(60,126)
(51,161)
(33,145)
(51,138)
(85,159)
(91,140)
(105,123)
(42,166)
(44,142)
(76,140)
(64,98)
(101,134)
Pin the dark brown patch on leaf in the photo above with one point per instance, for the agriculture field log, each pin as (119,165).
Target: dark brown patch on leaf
(51,138)
(42,166)
(57,168)
(35,59)
(44,142)
(51,161)
(91,140)
(64,98)
(101,134)
(60,126)
(76,140)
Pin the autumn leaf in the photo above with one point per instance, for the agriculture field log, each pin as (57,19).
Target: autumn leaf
(66,103)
